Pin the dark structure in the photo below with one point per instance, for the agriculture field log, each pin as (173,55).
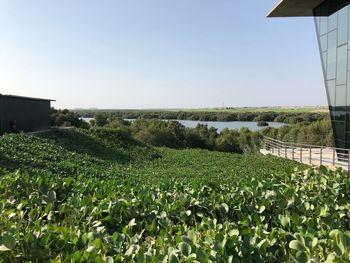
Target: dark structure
(24,114)
(332,19)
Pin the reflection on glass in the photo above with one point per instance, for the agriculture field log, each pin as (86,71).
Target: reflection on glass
(342,65)
(323,25)
(331,92)
(343,26)
(340,97)
(333,36)
(332,22)
(332,55)
(323,42)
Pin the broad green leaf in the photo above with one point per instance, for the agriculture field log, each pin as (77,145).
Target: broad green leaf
(51,196)
(186,239)
(4,248)
(201,255)
(132,222)
(109,259)
(220,242)
(97,243)
(225,208)
(330,258)
(297,245)
(173,259)
(185,249)
(90,249)
(8,242)
(233,232)
(302,257)
(262,209)
(192,235)
(285,221)
(339,249)
(132,249)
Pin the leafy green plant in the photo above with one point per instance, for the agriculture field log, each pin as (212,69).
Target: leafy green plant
(66,204)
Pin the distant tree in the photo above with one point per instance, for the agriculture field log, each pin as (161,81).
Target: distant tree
(227,141)
(65,117)
(101,119)
(262,124)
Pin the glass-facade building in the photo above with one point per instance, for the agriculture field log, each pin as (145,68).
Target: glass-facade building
(332,19)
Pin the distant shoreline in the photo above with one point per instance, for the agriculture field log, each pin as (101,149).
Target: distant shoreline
(282,109)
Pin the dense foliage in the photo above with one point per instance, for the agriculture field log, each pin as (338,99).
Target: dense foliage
(188,206)
(66,118)
(315,133)
(173,134)
(286,117)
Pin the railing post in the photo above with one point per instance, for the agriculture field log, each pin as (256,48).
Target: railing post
(292,152)
(321,156)
(348,160)
(285,150)
(333,157)
(310,154)
(301,154)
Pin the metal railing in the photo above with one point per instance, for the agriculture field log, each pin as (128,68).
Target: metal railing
(309,154)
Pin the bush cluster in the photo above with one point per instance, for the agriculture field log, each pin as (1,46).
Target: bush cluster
(285,117)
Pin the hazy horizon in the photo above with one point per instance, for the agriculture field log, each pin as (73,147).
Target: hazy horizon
(158,54)
(207,108)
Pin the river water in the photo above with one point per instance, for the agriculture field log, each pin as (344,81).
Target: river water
(220,125)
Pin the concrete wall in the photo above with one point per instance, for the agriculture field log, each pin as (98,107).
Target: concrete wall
(28,114)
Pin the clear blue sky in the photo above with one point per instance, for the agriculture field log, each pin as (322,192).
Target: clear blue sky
(158,54)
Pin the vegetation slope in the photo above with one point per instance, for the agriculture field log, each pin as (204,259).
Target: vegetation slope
(100,196)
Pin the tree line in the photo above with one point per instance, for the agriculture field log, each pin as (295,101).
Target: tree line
(175,135)
(285,117)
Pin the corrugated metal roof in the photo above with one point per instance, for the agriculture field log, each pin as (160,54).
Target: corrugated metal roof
(24,98)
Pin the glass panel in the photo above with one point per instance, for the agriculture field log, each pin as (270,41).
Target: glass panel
(348,93)
(343,26)
(317,23)
(323,42)
(340,144)
(339,130)
(324,62)
(348,125)
(332,22)
(342,64)
(323,25)
(341,96)
(348,27)
(331,92)
(332,55)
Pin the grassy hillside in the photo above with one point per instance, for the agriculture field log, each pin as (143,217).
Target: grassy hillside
(70,152)
(100,196)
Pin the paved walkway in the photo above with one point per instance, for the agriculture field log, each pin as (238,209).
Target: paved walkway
(311,156)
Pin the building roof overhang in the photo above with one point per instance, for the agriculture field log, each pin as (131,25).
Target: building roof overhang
(290,8)
(24,98)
